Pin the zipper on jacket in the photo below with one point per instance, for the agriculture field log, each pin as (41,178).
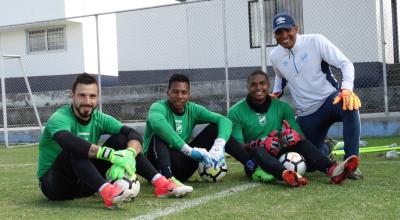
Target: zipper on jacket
(294,63)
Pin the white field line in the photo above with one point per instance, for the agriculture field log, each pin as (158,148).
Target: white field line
(177,207)
(17,165)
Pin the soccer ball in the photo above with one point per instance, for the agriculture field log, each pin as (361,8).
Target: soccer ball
(294,162)
(130,185)
(214,173)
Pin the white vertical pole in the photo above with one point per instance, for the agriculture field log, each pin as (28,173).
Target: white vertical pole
(261,7)
(228,101)
(3,101)
(385,92)
(31,95)
(98,63)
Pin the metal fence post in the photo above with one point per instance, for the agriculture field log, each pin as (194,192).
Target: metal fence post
(384,70)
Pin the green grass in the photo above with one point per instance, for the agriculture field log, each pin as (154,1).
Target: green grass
(377,196)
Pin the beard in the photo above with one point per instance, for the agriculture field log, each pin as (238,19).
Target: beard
(84,113)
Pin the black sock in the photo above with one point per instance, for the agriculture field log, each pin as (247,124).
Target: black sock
(251,165)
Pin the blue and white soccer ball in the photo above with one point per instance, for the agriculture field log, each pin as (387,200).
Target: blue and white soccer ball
(130,185)
(294,161)
(214,173)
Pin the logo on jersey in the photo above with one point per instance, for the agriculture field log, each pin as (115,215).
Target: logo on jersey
(304,57)
(84,135)
(178,126)
(262,119)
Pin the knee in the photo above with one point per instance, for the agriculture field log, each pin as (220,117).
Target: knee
(117,141)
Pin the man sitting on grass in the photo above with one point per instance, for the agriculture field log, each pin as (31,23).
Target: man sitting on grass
(257,124)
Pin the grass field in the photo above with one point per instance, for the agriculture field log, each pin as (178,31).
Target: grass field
(375,197)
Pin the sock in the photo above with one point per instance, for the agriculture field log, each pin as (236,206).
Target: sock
(166,171)
(251,165)
(155,177)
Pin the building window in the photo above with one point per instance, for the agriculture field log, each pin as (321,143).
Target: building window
(272,7)
(49,39)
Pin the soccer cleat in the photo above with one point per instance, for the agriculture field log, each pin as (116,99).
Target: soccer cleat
(167,188)
(339,172)
(112,195)
(356,175)
(178,183)
(294,179)
(261,175)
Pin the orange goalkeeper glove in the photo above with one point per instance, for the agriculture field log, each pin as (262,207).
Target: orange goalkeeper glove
(349,98)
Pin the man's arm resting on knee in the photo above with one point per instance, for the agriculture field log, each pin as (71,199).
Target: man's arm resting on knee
(134,139)
(76,145)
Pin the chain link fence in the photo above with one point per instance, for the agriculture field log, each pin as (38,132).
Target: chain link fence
(216,43)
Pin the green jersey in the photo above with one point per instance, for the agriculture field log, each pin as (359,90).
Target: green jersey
(176,130)
(249,125)
(64,119)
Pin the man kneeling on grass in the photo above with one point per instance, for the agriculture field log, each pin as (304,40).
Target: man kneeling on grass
(257,124)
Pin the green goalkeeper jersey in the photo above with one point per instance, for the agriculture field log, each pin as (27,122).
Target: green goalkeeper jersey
(64,119)
(249,125)
(176,130)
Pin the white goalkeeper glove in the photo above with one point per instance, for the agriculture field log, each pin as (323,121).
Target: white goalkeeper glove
(217,152)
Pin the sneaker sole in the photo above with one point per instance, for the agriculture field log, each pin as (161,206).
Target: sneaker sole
(178,192)
(350,165)
(291,179)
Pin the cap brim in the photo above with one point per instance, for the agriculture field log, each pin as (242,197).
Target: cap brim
(285,26)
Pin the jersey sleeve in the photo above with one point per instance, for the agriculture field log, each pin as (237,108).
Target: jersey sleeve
(162,128)
(223,123)
(288,115)
(332,55)
(58,122)
(237,131)
(278,81)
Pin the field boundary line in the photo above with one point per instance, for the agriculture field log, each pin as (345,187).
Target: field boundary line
(177,207)
(17,165)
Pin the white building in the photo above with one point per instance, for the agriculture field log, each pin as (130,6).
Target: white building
(59,48)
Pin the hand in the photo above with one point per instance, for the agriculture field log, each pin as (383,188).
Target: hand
(275,95)
(289,137)
(122,158)
(115,172)
(217,151)
(217,157)
(349,98)
(201,155)
(270,143)
(125,159)
(198,154)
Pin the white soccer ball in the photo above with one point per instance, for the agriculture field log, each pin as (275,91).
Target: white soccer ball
(294,162)
(214,173)
(130,185)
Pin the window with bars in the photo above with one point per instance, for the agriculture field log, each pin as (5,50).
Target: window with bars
(49,39)
(272,7)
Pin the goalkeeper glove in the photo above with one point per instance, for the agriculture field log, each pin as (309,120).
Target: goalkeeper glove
(122,158)
(270,143)
(350,100)
(115,172)
(289,137)
(217,151)
(198,154)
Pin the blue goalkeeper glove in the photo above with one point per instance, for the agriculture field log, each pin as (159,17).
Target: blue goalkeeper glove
(198,154)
